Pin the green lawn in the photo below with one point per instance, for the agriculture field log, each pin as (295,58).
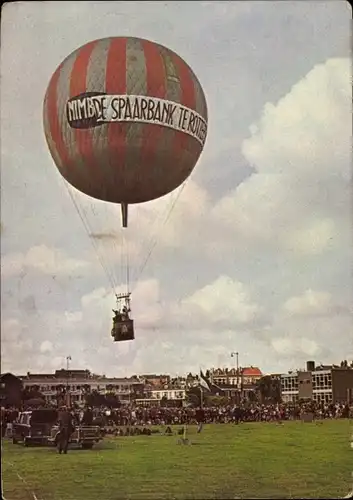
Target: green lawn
(257,460)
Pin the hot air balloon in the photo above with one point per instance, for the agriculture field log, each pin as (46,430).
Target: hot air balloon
(125,120)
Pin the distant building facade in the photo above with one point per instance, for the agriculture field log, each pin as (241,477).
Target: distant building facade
(160,396)
(161,389)
(323,384)
(79,383)
(233,381)
(155,380)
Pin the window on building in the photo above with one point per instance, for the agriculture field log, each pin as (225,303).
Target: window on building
(289,383)
(323,397)
(322,381)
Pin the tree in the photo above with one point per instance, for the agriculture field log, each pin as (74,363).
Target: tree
(164,401)
(193,400)
(193,396)
(112,400)
(269,389)
(11,390)
(94,399)
(31,393)
(252,396)
(216,400)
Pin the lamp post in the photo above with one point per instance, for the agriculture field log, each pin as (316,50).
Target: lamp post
(236,354)
(68,359)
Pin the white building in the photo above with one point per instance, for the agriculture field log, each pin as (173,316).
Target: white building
(154,396)
(170,394)
(321,389)
(289,387)
(78,383)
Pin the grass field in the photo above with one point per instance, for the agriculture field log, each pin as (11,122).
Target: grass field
(256,460)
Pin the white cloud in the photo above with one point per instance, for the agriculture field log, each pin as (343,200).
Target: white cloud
(314,303)
(313,238)
(310,122)
(292,347)
(73,317)
(199,331)
(16,345)
(46,347)
(11,325)
(43,259)
(169,333)
(223,300)
(55,363)
(313,325)
(301,149)
(311,302)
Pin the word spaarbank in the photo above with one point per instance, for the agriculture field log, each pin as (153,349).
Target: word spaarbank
(90,110)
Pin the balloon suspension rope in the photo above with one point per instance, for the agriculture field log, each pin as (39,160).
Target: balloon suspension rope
(127,268)
(124,216)
(154,241)
(85,223)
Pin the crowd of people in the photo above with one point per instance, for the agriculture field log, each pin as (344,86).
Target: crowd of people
(218,415)
(132,415)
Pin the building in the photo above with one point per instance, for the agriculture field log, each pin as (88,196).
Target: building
(158,396)
(10,390)
(342,384)
(78,383)
(169,391)
(233,381)
(323,384)
(155,380)
(191,380)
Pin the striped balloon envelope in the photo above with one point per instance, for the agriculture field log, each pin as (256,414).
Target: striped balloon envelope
(125,120)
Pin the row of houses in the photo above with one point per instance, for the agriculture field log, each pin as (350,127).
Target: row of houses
(143,389)
(319,383)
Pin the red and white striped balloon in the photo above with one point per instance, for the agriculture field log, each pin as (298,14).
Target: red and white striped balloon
(133,157)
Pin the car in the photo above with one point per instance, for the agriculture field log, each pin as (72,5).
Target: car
(34,426)
(84,436)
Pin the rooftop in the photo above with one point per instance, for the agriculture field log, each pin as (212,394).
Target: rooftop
(248,371)
(77,375)
(252,371)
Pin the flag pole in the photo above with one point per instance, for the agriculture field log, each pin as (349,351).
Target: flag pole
(201,388)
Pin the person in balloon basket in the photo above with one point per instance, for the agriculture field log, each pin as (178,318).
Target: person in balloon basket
(66,428)
(200,418)
(125,313)
(116,321)
(117,316)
